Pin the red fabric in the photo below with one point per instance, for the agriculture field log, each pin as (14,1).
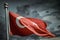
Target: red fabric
(30,28)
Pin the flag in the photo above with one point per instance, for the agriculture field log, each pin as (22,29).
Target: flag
(24,26)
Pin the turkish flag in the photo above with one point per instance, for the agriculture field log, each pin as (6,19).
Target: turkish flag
(24,26)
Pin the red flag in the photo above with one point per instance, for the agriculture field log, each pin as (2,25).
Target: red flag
(24,26)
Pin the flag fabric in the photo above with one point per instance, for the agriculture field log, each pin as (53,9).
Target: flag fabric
(24,26)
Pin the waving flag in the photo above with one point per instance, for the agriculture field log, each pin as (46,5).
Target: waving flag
(24,26)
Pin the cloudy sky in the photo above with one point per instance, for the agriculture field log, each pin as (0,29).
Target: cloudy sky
(47,10)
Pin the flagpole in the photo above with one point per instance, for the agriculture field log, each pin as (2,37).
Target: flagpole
(6,19)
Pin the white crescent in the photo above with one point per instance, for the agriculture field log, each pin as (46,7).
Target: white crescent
(17,22)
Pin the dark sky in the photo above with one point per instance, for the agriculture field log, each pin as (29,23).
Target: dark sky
(45,8)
